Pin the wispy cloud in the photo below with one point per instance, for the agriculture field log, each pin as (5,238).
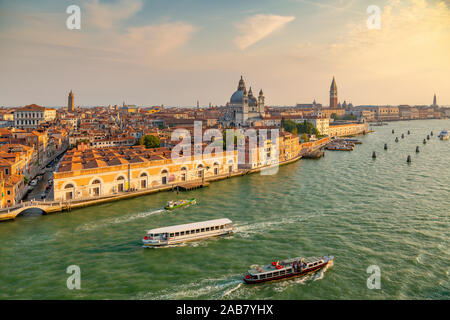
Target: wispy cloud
(110,15)
(160,39)
(257,27)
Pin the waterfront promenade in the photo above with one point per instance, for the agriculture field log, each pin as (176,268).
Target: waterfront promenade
(58,206)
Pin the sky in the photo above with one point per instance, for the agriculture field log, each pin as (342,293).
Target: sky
(175,52)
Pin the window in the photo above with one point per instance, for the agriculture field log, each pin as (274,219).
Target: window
(217,227)
(182,233)
(188,232)
(192,231)
(221,227)
(203,229)
(198,230)
(207,229)
(177,234)
(171,235)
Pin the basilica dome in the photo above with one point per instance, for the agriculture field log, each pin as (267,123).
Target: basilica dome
(237,97)
(240,93)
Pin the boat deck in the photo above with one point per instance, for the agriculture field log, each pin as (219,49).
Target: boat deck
(285,263)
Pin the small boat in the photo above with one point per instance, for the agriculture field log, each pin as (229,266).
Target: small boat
(171,205)
(288,268)
(444,135)
(167,236)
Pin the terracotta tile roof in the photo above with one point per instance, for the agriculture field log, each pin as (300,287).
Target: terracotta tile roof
(13,180)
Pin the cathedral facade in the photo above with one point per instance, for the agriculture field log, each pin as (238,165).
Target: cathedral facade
(244,106)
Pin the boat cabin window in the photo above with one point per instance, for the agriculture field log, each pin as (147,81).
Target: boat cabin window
(221,227)
(207,229)
(177,234)
(198,230)
(203,229)
(217,227)
(187,232)
(182,233)
(171,235)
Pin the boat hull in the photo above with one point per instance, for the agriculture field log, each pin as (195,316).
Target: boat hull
(184,240)
(291,275)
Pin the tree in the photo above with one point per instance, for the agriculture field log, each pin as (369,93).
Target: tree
(150,141)
(305,137)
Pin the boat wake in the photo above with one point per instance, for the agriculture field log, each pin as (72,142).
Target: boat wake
(119,220)
(204,289)
(246,231)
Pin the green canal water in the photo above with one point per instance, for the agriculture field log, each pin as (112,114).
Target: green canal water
(365,212)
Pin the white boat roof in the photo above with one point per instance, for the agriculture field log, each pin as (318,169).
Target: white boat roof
(190,226)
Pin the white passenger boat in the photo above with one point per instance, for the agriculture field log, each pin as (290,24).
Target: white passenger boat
(187,232)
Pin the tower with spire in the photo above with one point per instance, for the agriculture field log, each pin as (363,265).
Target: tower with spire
(261,98)
(70,102)
(333,95)
(434,101)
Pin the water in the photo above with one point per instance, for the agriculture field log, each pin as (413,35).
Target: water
(365,212)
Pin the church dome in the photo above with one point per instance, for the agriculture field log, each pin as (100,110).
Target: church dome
(237,97)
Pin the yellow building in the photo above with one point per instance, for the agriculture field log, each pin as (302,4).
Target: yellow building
(347,129)
(110,171)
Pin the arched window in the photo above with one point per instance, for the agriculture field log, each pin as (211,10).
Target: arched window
(164,178)
(121,184)
(69,186)
(144,178)
(183,174)
(96,190)
(200,170)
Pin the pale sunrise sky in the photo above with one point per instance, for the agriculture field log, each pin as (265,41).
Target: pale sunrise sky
(180,51)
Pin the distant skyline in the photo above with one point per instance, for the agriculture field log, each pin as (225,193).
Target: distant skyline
(177,52)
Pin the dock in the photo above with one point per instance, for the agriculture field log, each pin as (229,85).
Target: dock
(192,186)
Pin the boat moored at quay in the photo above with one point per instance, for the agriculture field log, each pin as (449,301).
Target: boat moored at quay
(167,236)
(288,268)
(444,135)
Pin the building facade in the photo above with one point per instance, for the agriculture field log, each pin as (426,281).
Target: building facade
(105,172)
(32,116)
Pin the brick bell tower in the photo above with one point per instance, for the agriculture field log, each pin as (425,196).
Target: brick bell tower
(333,95)
(70,102)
